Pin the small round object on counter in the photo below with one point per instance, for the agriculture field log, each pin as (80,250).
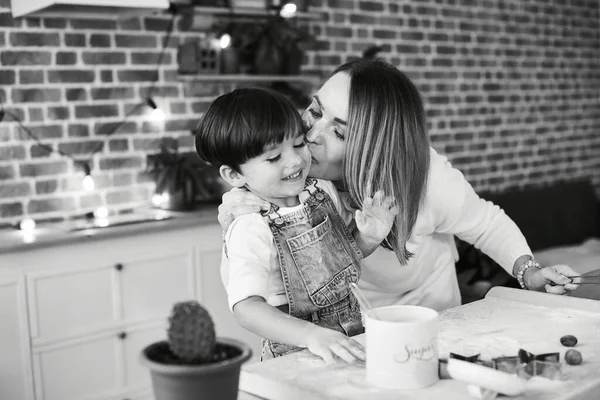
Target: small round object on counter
(573,357)
(568,340)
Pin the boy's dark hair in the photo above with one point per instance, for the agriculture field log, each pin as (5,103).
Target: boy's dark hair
(239,125)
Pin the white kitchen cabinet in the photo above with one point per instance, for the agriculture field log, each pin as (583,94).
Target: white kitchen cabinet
(16,381)
(137,376)
(86,311)
(214,298)
(167,278)
(64,303)
(78,369)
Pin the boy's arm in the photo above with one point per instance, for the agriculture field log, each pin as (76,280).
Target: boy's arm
(256,315)
(374,222)
(245,276)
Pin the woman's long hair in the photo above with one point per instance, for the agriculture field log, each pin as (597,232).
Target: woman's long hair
(387,146)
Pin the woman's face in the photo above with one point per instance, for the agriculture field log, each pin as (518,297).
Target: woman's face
(326,121)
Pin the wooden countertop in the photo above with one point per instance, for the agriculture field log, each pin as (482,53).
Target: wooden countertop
(499,325)
(70,232)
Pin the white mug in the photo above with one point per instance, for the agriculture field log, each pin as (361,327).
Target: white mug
(402,347)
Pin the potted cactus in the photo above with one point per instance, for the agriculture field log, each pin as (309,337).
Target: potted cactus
(193,364)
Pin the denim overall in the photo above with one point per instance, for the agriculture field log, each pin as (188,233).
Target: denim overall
(318,258)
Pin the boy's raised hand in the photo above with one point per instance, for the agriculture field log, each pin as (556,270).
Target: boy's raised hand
(326,343)
(376,218)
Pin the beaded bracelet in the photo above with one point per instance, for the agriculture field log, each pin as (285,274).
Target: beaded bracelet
(524,267)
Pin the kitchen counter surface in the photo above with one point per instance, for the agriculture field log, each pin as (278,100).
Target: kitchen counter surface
(142,220)
(505,321)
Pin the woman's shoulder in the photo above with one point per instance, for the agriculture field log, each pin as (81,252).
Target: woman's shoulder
(445,184)
(442,175)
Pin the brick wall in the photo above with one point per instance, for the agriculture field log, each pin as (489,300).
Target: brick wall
(512,90)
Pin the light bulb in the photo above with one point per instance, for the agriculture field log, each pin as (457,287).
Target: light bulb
(158,115)
(27,225)
(101,212)
(165,197)
(161,215)
(28,237)
(288,10)
(101,222)
(160,199)
(156,200)
(225,40)
(88,183)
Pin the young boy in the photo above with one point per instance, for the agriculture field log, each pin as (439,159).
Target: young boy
(289,269)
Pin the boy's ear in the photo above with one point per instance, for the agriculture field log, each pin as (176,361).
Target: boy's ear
(231,176)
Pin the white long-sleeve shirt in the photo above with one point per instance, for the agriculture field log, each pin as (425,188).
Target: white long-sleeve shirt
(451,207)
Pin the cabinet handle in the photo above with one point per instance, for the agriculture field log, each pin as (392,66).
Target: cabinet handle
(122,335)
(119,267)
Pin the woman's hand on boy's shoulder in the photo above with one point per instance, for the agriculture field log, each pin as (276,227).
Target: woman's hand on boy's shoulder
(377,217)
(236,202)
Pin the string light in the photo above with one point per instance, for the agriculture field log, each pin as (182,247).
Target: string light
(27,225)
(88,181)
(288,10)
(224,36)
(101,222)
(225,40)
(101,212)
(159,200)
(156,200)
(157,115)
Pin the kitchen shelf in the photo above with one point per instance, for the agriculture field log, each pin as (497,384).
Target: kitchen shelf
(248,78)
(242,12)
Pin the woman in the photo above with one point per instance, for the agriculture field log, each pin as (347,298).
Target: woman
(366,131)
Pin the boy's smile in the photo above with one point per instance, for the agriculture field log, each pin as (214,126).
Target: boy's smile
(278,175)
(294,176)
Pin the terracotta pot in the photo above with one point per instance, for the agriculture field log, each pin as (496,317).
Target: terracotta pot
(217,380)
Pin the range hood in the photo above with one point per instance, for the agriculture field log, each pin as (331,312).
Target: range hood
(92,8)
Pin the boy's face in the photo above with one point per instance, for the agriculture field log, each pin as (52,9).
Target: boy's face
(278,175)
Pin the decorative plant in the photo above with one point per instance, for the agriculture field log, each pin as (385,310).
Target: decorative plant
(183,176)
(193,363)
(279,48)
(191,332)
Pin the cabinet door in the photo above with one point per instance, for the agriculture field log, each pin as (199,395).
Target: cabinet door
(15,367)
(137,376)
(144,396)
(78,369)
(212,292)
(152,283)
(68,303)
